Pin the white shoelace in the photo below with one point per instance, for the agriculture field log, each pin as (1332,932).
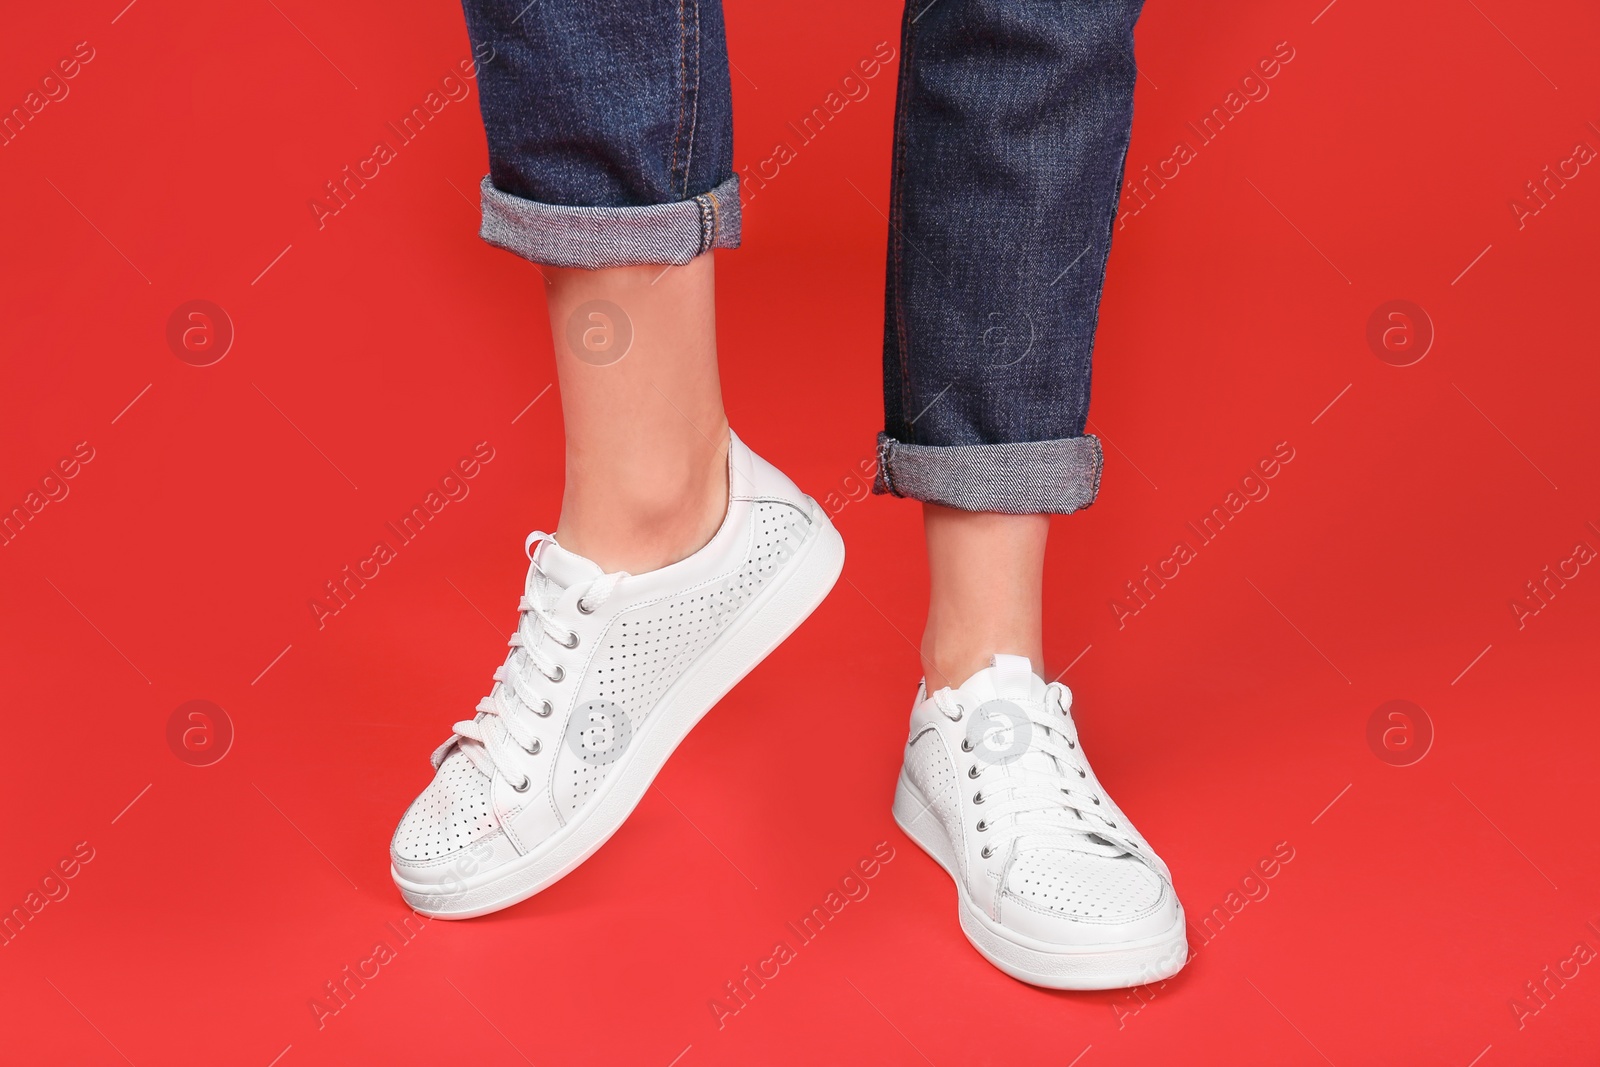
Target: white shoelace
(507,715)
(1055,808)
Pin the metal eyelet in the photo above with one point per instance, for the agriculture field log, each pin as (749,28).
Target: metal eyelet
(987,852)
(544,710)
(584,608)
(1072,744)
(1082,774)
(534,751)
(966,745)
(572,641)
(527,783)
(1097,802)
(560,674)
(982,826)
(972,771)
(977,798)
(1111,824)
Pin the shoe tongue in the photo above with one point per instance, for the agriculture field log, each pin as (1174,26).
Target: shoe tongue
(1009,680)
(1006,678)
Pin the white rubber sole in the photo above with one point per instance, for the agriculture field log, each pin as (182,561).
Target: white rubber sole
(792,595)
(1117,966)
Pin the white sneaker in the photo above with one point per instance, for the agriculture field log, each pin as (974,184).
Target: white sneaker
(606,674)
(1055,885)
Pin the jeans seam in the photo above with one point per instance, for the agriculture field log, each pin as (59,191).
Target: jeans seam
(683,91)
(694,104)
(709,220)
(897,213)
(885,451)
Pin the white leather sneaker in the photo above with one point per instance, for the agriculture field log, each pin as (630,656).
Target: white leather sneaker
(1056,887)
(606,674)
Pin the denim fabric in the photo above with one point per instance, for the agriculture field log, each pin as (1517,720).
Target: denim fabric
(1011,127)
(611,104)
(610,140)
(596,237)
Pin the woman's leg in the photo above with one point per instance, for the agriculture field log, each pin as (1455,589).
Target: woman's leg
(610,145)
(985,595)
(1011,126)
(681,557)
(647,439)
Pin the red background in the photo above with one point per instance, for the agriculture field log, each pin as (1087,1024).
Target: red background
(1229,715)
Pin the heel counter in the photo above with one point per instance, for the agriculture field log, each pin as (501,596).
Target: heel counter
(752,478)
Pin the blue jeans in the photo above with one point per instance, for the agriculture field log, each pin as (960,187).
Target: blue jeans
(610,132)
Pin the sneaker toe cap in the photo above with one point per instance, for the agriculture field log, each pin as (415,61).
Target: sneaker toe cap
(1068,897)
(454,814)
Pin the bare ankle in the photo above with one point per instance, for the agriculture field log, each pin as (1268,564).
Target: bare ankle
(952,661)
(642,523)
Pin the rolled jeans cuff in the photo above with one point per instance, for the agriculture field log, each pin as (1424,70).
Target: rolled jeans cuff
(1019,478)
(595,237)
